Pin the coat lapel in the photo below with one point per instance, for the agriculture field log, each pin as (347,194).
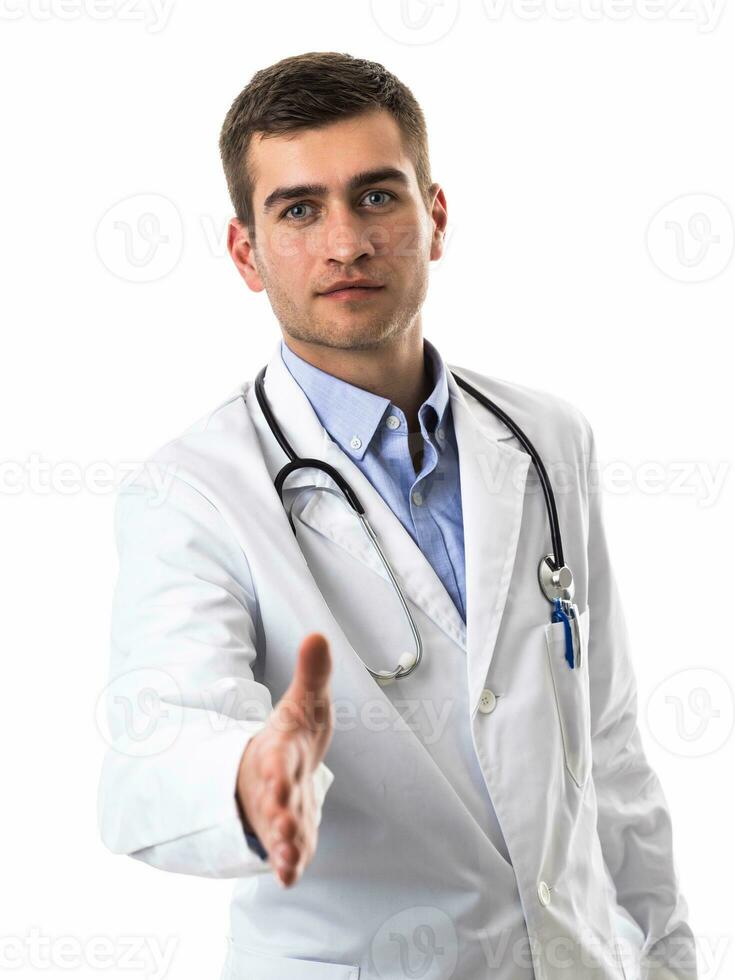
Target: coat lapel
(493,479)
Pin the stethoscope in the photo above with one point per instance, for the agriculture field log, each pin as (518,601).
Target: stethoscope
(554,576)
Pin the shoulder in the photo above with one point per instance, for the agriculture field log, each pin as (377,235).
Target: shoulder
(556,427)
(200,450)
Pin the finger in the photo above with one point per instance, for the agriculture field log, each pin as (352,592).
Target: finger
(291,858)
(297,854)
(286,842)
(288,823)
(280,802)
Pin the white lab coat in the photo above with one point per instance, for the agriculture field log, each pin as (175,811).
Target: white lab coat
(569,874)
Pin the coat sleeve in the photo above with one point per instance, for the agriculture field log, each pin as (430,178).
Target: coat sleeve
(634,823)
(182,703)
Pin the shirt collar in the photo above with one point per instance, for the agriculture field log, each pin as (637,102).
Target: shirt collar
(351,415)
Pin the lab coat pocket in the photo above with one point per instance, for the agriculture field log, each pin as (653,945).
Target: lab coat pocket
(572,693)
(249,964)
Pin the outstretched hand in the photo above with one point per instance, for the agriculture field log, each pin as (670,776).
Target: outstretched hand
(275,789)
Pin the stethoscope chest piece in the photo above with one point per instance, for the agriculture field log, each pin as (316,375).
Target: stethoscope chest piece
(556,583)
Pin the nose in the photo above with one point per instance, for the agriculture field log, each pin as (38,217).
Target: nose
(347,237)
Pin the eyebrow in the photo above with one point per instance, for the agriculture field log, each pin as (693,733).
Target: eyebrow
(377,176)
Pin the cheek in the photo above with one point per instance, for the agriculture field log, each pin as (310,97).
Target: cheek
(289,261)
(405,240)
(286,249)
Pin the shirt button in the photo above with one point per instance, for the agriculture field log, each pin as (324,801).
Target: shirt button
(440,434)
(487,701)
(417,498)
(392,421)
(355,442)
(544,893)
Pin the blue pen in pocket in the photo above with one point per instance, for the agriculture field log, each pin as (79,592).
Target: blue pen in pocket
(564,612)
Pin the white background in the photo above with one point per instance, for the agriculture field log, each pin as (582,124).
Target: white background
(559,132)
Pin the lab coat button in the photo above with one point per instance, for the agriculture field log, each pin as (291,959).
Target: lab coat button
(544,893)
(392,421)
(487,701)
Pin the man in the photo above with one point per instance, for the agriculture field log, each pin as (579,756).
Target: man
(490,812)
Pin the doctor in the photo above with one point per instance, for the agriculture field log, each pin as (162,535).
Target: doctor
(490,812)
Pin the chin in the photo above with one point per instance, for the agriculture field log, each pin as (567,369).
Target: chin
(364,335)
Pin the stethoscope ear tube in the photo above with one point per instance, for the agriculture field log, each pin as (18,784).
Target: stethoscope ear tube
(294,462)
(556,544)
(297,464)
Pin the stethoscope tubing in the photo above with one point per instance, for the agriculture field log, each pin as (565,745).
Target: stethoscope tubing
(521,436)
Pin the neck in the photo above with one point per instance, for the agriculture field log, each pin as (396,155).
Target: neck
(395,370)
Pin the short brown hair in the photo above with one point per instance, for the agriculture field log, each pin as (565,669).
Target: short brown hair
(310,90)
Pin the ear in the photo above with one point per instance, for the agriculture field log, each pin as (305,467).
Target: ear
(242,251)
(439,220)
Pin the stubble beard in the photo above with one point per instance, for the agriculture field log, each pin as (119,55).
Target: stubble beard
(343,332)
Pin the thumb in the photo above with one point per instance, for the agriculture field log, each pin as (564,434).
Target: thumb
(313,665)
(307,697)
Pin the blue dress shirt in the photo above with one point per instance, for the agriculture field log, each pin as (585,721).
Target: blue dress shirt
(373,432)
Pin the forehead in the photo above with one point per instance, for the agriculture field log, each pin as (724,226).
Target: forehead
(328,154)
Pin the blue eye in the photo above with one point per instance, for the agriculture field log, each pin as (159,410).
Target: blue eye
(293,208)
(379,192)
(302,204)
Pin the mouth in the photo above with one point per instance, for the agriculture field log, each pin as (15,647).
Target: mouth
(352,293)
